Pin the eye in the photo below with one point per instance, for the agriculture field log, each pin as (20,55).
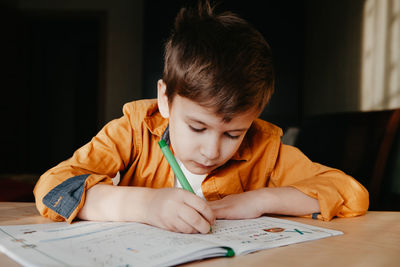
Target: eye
(232,136)
(197,130)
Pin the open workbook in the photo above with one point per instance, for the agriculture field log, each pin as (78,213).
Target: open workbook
(135,244)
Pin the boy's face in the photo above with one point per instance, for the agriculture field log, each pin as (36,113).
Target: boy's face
(201,140)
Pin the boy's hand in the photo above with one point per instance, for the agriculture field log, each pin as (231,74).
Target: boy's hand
(238,206)
(253,204)
(178,210)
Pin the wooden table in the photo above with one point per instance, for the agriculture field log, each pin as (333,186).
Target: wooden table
(369,240)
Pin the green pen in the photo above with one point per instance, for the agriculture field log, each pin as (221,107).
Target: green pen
(175,168)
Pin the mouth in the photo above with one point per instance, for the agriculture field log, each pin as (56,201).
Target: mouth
(201,166)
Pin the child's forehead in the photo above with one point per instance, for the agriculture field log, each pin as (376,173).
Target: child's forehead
(195,107)
(192,110)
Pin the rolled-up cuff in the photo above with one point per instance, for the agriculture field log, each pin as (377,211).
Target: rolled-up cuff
(65,197)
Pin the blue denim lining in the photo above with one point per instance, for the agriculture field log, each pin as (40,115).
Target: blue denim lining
(65,197)
(315,215)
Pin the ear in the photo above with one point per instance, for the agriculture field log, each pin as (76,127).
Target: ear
(162,99)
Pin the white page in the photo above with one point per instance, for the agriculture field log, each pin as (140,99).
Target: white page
(245,236)
(129,244)
(95,244)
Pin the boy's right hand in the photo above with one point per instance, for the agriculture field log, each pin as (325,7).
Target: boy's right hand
(178,210)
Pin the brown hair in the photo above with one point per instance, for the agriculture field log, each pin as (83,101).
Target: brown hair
(218,60)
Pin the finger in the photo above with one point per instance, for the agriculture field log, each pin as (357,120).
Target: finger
(178,225)
(216,204)
(181,226)
(201,206)
(220,209)
(194,219)
(220,212)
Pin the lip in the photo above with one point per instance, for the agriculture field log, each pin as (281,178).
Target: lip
(203,166)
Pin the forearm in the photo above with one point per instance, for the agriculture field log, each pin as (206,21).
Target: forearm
(172,209)
(286,201)
(115,203)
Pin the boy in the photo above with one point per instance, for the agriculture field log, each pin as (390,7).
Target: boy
(218,77)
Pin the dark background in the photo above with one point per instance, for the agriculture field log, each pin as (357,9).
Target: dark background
(51,80)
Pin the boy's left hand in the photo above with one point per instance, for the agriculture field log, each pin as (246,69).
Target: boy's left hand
(245,205)
(252,204)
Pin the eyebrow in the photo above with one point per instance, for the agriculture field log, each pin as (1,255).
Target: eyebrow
(205,124)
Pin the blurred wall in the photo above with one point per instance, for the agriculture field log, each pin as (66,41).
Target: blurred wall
(332,69)
(68,67)
(123,50)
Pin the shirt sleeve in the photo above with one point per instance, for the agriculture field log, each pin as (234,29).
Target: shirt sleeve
(338,194)
(60,192)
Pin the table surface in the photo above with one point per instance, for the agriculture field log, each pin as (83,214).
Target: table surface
(369,240)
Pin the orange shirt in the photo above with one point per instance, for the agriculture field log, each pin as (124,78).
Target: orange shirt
(129,145)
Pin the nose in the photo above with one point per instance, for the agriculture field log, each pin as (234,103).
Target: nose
(210,148)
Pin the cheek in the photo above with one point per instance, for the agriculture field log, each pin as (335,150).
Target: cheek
(182,141)
(229,148)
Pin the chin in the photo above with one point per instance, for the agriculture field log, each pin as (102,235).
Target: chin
(196,170)
(200,170)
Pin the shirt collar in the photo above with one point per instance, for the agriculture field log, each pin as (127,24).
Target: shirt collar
(244,151)
(154,121)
